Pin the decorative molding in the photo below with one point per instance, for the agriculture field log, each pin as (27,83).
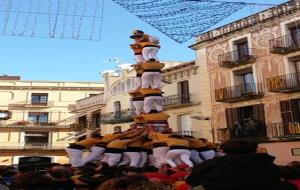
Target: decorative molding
(51,88)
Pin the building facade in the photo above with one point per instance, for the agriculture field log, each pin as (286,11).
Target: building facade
(181,100)
(35,118)
(252,84)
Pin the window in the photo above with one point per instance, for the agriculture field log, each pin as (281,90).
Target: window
(242,48)
(38,117)
(245,78)
(41,99)
(185,124)
(117,129)
(117,106)
(117,109)
(248,121)
(290,111)
(183,91)
(36,139)
(5,115)
(295,35)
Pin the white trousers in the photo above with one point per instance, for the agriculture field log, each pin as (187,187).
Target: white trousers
(131,158)
(195,157)
(151,80)
(75,157)
(138,105)
(156,101)
(207,155)
(112,159)
(151,159)
(150,53)
(143,159)
(159,154)
(95,154)
(139,58)
(183,154)
(137,82)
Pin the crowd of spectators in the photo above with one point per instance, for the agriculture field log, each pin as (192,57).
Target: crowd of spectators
(240,169)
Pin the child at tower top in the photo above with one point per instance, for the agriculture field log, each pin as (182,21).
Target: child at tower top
(150,45)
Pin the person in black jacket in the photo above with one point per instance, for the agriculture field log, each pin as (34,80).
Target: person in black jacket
(240,169)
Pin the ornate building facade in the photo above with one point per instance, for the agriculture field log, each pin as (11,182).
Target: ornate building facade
(35,118)
(181,100)
(250,69)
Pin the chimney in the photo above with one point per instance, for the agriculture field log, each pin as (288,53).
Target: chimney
(7,77)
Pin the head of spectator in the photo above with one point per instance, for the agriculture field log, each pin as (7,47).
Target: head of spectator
(239,146)
(33,181)
(295,164)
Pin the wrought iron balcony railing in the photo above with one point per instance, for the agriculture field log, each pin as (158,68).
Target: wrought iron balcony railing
(252,132)
(29,125)
(284,83)
(35,146)
(236,58)
(123,116)
(284,130)
(30,103)
(285,44)
(177,100)
(239,92)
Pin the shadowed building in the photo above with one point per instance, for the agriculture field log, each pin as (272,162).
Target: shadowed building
(250,70)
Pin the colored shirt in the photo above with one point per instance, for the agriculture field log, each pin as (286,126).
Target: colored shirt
(89,142)
(119,144)
(177,142)
(136,143)
(195,143)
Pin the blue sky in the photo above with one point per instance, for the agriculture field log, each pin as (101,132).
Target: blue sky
(76,60)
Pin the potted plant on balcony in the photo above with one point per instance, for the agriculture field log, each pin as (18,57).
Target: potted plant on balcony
(22,123)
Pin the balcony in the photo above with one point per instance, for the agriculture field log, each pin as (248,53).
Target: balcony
(89,103)
(254,133)
(284,83)
(10,125)
(284,130)
(239,92)
(123,116)
(285,44)
(32,146)
(178,100)
(236,58)
(32,104)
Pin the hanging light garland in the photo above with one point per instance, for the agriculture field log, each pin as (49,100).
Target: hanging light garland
(181,20)
(60,19)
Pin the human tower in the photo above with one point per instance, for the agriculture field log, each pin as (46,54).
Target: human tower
(149,139)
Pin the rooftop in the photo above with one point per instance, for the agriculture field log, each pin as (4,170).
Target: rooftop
(276,12)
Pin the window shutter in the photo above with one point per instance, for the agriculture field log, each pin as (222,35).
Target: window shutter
(286,111)
(231,116)
(259,113)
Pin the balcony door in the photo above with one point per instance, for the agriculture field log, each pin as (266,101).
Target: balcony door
(245,80)
(183,91)
(39,98)
(243,115)
(242,48)
(38,118)
(185,126)
(295,35)
(36,139)
(117,109)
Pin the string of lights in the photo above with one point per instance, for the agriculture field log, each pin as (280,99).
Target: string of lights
(59,19)
(182,20)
